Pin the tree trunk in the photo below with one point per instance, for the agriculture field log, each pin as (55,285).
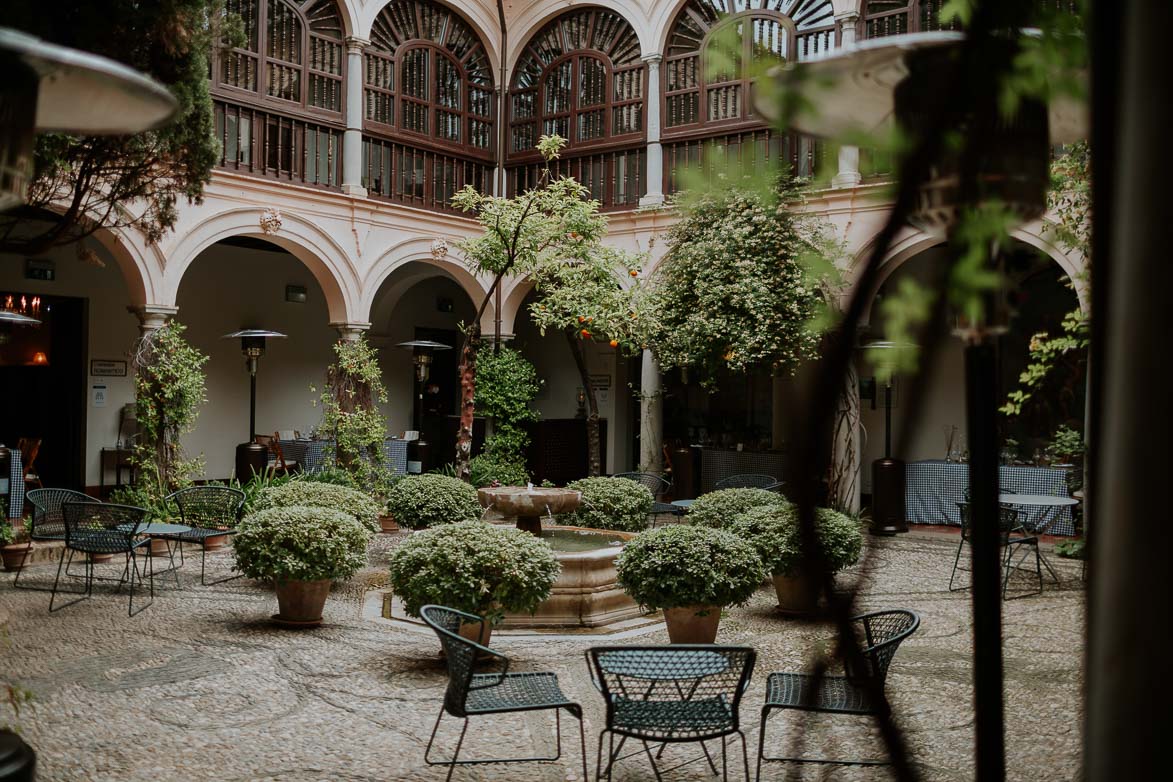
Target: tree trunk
(594,449)
(468,391)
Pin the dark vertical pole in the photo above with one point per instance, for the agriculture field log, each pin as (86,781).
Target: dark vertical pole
(981,400)
(252,403)
(888,419)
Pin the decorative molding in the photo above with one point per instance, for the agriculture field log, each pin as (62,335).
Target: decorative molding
(439,248)
(270,221)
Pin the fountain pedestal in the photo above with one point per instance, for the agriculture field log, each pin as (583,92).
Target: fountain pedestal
(529,505)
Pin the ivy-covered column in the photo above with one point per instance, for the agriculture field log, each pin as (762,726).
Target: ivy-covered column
(352,137)
(152,317)
(655,152)
(350,331)
(651,415)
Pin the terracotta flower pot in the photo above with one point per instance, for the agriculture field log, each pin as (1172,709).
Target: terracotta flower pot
(470,630)
(692,624)
(300,603)
(99,559)
(797,595)
(215,542)
(158,548)
(16,555)
(387,523)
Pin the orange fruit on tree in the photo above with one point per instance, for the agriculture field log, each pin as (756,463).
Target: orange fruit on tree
(585,333)
(614,343)
(581,318)
(634,273)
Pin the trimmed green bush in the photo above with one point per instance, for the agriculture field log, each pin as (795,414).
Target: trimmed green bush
(311,494)
(611,503)
(681,565)
(334,475)
(486,468)
(473,566)
(421,501)
(300,543)
(717,509)
(773,531)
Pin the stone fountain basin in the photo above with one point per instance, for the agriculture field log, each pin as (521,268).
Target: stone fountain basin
(586,592)
(522,502)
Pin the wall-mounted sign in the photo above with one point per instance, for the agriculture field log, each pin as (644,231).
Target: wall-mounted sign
(107,368)
(296,294)
(600,382)
(39,269)
(98,396)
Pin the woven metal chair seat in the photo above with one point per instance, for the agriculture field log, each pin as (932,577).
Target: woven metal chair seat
(490,692)
(102,543)
(201,533)
(834,694)
(672,719)
(666,507)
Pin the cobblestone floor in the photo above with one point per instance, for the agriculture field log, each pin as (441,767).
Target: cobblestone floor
(202,687)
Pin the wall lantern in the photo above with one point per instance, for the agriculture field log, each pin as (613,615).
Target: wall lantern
(54,88)
(251,456)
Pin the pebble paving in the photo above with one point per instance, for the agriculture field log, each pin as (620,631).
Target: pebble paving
(201,686)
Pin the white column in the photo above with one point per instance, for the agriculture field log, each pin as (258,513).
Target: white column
(350,331)
(152,317)
(651,415)
(848,175)
(352,138)
(655,153)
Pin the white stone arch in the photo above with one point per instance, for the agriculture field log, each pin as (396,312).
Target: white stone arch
(910,242)
(420,250)
(665,12)
(511,300)
(482,17)
(351,16)
(523,26)
(142,265)
(307,242)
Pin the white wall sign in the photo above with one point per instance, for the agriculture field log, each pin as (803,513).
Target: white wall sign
(98,396)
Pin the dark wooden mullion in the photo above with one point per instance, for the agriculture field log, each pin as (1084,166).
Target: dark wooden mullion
(592,26)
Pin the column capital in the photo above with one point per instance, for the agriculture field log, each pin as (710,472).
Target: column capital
(350,331)
(847,17)
(354,44)
(654,58)
(152,317)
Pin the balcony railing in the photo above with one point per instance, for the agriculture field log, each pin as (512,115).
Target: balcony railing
(271,145)
(419,177)
(617,180)
(752,149)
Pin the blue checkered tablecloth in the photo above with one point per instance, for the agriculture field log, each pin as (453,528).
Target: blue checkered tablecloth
(934,487)
(15,485)
(316,455)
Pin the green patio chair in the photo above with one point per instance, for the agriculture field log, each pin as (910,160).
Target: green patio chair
(883,632)
(682,693)
(472,694)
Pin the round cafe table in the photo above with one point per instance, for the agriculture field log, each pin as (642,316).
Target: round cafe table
(163,530)
(1040,501)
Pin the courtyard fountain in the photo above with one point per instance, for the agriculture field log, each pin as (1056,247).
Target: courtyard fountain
(587,593)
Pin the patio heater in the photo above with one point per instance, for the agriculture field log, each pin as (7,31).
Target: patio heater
(252,457)
(53,88)
(419,451)
(888,511)
(863,88)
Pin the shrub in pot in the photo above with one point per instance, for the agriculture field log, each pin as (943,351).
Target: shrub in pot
(612,503)
(301,550)
(719,508)
(14,543)
(774,532)
(691,573)
(311,494)
(422,501)
(473,566)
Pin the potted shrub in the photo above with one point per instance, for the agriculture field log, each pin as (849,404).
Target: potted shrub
(301,550)
(691,573)
(422,501)
(484,569)
(15,542)
(719,508)
(773,531)
(312,494)
(612,503)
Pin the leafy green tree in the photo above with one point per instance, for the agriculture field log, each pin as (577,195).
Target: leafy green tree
(122,181)
(743,284)
(506,385)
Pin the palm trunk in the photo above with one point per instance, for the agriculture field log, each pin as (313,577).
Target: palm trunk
(468,391)
(594,448)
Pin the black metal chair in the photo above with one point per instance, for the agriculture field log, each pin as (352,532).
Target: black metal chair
(47,522)
(1014,539)
(749,481)
(682,693)
(104,528)
(471,694)
(210,511)
(658,485)
(882,632)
